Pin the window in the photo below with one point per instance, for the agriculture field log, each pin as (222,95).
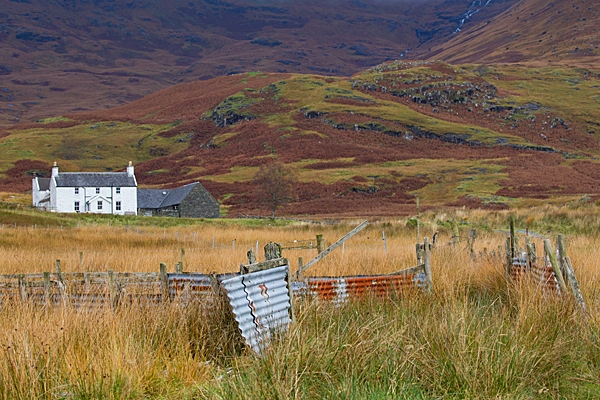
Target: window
(175,207)
(76,190)
(76,205)
(97,190)
(99,204)
(118,206)
(118,190)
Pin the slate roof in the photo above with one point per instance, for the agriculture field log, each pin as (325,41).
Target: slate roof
(161,198)
(43,183)
(95,179)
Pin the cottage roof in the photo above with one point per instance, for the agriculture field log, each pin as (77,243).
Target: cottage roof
(95,179)
(161,198)
(43,183)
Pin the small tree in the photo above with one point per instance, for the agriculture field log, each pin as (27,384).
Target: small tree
(482,70)
(275,183)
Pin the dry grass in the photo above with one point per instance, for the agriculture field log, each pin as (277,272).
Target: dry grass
(474,336)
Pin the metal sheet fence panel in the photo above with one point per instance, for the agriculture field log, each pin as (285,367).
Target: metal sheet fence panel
(519,269)
(340,289)
(541,274)
(193,286)
(261,304)
(544,275)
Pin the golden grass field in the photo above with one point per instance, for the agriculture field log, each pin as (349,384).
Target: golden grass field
(474,336)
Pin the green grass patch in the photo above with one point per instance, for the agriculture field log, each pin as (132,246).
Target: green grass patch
(99,146)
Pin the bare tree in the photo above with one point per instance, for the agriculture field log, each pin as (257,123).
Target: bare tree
(275,183)
(482,70)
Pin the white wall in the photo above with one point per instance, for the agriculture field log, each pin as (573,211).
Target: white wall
(65,198)
(38,195)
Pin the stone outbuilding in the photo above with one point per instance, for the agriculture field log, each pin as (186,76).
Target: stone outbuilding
(189,201)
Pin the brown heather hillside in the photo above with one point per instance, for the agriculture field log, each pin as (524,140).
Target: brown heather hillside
(539,32)
(452,135)
(58,56)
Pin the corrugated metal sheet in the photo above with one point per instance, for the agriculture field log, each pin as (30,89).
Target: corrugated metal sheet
(541,274)
(340,289)
(544,275)
(519,268)
(261,304)
(193,285)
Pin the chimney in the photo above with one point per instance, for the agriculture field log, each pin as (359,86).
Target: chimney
(130,169)
(54,170)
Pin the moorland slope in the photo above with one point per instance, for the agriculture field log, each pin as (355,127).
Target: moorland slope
(366,145)
(62,56)
(536,32)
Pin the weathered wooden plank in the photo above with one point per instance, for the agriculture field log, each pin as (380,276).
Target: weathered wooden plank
(324,253)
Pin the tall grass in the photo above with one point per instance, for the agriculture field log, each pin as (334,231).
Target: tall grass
(473,336)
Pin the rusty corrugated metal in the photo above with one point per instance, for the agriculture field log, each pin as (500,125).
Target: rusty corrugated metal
(261,304)
(193,285)
(340,289)
(544,275)
(541,274)
(519,268)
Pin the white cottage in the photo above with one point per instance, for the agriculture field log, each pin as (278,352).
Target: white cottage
(95,192)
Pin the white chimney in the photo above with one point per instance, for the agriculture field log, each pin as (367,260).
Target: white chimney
(54,170)
(130,169)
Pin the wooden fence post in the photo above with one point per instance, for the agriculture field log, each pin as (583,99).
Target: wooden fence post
(47,288)
(251,256)
(512,249)
(113,286)
(181,257)
(575,285)
(427,262)
(508,257)
(531,256)
(23,287)
(320,244)
(569,272)
(562,253)
(299,276)
(455,235)
(164,282)
(552,257)
(215,285)
(61,282)
(179,268)
(419,250)
(472,237)
(272,251)
(81,260)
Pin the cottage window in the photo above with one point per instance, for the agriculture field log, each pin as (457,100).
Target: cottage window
(97,190)
(99,204)
(118,190)
(76,205)
(175,207)
(118,206)
(76,190)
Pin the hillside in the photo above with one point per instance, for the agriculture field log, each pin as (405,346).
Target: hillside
(367,145)
(533,31)
(63,56)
